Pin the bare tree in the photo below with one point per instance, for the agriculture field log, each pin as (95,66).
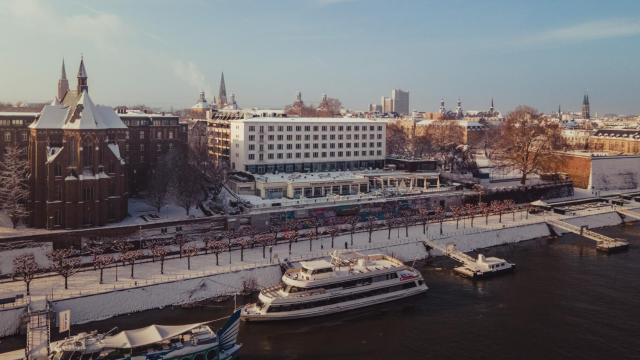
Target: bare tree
(527,143)
(265,239)
(216,247)
(131,257)
(423,213)
(485,210)
(64,263)
(497,207)
(371,225)
(189,251)
(290,236)
(353,224)
(510,205)
(188,187)
(25,268)
(333,229)
(470,211)
(457,211)
(440,215)
(14,189)
(242,242)
(389,220)
(101,262)
(159,251)
(180,241)
(406,219)
(158,188)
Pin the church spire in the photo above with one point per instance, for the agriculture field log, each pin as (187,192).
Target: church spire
(222,92)
(82,77)
(63,84)
(586,109)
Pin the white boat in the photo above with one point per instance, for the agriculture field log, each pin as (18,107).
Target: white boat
(350,280)
(154,342)
(485,267)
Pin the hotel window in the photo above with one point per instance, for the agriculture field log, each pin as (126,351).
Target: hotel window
(261,138)
(348,136)
(289,128)
(279,155)
(270,137)
(270,128)
(289,137)
(307,128)
(288,155)
(340,137)
(298,128)
(324,145)
(7,136)
(141,148)
(306,155)
(170,134)
(348,153)
(332,137)
(339,153)
(371,128)
(355,145)
(356,137)
(371,136)
(159,135)
(307,137)
(379,136)
(340,145)
(252,128)
(349,128)
(315,146)
(315,154)
(332,145)
(324,154)
(260,157)
(270,146)
(324,137)
(324,128)
(298,155)
(252,147)
(279,146)
(379,128)
(333,128)
(348,145)
(356,128)
(371,152)
(280,138)
(261,147)
(252,138)
(315,128)
(332,154)
(379,144)
(371,145)
(315,137)
(251,156)
(289,146)
(261,128)
(356,153)
(340,128)
(141,135)
(364,144)
(306,146)
(298,137)
(379,152)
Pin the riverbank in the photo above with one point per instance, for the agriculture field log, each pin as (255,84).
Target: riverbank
(251,268)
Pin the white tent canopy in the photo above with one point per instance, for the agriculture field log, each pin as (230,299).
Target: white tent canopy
(146,336)
(539,203)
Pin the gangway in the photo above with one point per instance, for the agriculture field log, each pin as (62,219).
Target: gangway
(472,268)
(604,243)
(628,213)
(38,329)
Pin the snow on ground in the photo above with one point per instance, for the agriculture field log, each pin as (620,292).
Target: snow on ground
(39,250)
(170,212)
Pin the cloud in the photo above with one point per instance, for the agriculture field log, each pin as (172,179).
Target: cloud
(587,31)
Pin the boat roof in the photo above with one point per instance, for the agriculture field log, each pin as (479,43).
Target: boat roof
(146,336)
(315,264)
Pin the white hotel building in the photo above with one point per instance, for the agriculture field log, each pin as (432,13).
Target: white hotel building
(268,144)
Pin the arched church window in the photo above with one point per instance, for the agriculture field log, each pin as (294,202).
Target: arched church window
(87,154)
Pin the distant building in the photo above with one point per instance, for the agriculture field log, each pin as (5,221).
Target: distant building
(14,128)
(602,171)
(202,106)
(386,104)
(400,101)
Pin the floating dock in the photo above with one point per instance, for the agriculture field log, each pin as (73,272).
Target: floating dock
(481,267)
(603,243)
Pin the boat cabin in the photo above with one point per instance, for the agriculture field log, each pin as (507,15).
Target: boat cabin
(316,269)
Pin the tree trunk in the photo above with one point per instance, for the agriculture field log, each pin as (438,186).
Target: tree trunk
(424,227)
(370,231)
(263,251)
(406,230)
(241,253)
(66,282)
(28,283)
(523,179)
(289,247)
(162,266)
(101,271)
(389,235)
(441,228)
(332,237)
(500,217)
(188,262)
(132,264)
(217,259)
(310,244)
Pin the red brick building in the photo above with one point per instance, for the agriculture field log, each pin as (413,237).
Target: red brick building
(78,176)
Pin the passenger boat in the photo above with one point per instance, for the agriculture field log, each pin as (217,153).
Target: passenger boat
(485,267)
(154,342)
(349,280)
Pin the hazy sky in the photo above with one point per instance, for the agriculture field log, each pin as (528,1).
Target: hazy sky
(162,53)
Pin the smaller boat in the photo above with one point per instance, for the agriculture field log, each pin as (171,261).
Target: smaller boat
(181,342)
(350,280)
(485,267)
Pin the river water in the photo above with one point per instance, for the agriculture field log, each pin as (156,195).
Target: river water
(565,301)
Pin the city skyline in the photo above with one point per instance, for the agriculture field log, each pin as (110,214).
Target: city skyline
(541,55)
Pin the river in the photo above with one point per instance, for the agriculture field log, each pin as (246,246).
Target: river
(565,301)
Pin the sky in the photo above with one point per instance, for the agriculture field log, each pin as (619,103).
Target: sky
(162,53)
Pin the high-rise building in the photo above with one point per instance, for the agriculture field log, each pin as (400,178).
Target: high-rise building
(586,110)
(400,101)
(387,104)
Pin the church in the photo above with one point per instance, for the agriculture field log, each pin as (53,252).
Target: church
(78,175)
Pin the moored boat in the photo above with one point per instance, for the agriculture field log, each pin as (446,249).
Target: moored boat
(348,280)
(181,342)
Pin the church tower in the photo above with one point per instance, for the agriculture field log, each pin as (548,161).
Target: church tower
(63,84)
(586,111)
(82,77)
(442,108)
(459,111)
(222,93)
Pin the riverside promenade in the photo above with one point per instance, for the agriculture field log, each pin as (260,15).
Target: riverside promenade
(149,289)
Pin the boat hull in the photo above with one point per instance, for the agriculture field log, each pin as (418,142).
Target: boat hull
(335,308)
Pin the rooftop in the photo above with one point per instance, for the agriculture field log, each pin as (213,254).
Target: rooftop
(307,120)
(315,264)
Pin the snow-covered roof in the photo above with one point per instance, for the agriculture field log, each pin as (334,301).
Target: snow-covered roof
(307,120)
(115,149)
(146,336)
(53,152)
(84,115)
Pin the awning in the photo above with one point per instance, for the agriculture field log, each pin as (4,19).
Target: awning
(146,336)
